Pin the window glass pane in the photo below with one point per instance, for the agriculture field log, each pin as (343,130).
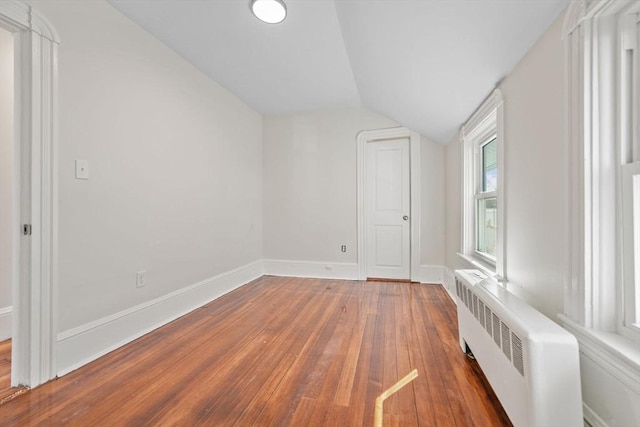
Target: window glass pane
(487,226)
(489,166)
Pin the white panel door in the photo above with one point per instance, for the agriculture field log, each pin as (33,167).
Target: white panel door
(388,205)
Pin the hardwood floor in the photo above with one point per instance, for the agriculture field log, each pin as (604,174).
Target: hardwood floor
(281,351)
(6,391)
(5,368)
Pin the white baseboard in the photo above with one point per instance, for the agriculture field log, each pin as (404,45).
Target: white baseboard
(317,270)
(591,417)
(607,362)
(79,346)
(6,314)
(449,283)
(338,270)
(430,274)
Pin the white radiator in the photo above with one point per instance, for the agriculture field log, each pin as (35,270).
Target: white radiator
(531,362)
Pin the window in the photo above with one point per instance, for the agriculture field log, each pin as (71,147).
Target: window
(603,292)
(486,201)
(629,143)
(631,245)
(482,205)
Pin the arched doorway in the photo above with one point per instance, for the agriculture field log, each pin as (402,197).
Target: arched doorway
(34,249)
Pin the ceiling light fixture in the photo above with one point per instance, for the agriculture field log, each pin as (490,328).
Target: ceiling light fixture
(269,11)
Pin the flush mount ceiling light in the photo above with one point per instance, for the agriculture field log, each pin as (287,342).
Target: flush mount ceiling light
(269,11)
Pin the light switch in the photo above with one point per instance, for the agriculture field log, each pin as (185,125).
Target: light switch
(82,169)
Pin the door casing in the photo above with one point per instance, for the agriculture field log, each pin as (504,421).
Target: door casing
(364,138)
(33,360)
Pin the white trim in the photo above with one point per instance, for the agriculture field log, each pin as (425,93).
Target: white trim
(630,203)
(449,283)
(14,15)
(573,17)
(594,221)
(617,355)
(448,278)
(591,417)
(430,274)
(628,110)
(416,201)
(482,114)
(83,344)
(314,269)
(487,120)
(34,325)
(475,263)
(414,149)
(6,317)
(574,289)
(41,26)
(17,15)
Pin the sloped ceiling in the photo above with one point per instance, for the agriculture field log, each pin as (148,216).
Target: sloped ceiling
(425,63)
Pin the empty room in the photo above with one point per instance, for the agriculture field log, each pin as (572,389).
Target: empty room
(320,213)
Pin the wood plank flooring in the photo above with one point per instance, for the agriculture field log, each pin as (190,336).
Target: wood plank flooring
(281,352)
(5,368)
(6,391)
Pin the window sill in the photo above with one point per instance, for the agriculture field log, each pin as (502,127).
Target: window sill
(486,268)
(617,354)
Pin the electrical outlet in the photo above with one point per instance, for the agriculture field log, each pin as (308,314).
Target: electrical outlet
(343,248)
(141,279)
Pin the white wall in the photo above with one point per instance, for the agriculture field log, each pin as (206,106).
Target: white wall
(310,200)
(534,153)
(310,183)
(6,179)
(453,204)
(175,166)
(432,185)
(535,196)
(534,177)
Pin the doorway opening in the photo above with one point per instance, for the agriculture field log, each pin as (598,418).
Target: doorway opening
(389,204)
(32,202)
(7,90)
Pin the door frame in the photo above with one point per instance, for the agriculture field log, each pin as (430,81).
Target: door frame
(33,359)
(378,135)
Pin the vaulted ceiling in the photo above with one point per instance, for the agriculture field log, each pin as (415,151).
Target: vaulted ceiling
(427,64)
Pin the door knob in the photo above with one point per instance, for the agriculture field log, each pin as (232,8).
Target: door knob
(405,217)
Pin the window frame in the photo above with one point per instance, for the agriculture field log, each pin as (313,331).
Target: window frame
(484,126)
(598,150)
(630,301)
(480,194)
(628,32)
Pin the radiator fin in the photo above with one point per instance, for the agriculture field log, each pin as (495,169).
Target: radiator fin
(516,348)
(506,340)
(475,306)
(496,329)
(487,319)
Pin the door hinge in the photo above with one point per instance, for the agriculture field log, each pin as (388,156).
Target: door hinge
(26,229)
